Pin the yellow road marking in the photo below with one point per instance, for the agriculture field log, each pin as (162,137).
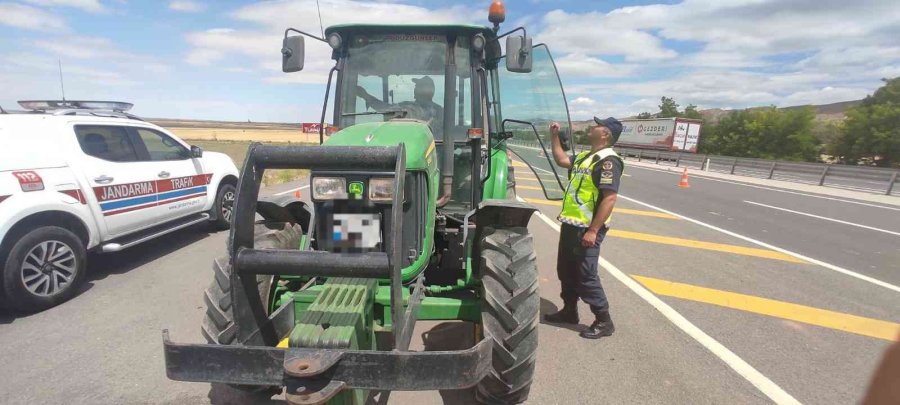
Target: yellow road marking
(517,164)
(543,202)
(696,244)
(626,211)
(518,179)
(800,313)
(668,240)
(519,186)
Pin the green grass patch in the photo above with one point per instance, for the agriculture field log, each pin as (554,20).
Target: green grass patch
(237,151)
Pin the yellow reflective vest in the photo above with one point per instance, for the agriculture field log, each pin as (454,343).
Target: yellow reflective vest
(582,195)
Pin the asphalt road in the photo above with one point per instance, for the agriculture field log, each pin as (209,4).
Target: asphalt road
(702,316)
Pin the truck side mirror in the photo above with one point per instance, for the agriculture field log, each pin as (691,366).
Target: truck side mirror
(292,54)
(518,54)
(196,152)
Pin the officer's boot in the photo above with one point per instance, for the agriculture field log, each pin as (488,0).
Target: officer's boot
(602,326)
(568,314)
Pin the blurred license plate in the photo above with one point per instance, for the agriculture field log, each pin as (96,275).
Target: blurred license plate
(356,232)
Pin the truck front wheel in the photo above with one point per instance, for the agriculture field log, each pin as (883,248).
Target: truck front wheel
(224,206)
(509,313)
(44,268)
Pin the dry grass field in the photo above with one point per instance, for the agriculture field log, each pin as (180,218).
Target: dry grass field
(236,131)
(233,139)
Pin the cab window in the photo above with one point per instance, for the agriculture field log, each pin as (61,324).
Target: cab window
(106,142)
(161,146)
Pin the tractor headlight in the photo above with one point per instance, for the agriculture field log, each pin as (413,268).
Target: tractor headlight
(329,188)
(381,189)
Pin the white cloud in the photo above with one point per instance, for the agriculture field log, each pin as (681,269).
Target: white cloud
(29,18)
(91,6)
(98,48)
(748,52)
(575,64)
(595,33)
(186,6)
(260,45)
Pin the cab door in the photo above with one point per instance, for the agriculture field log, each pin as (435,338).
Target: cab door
(182,184)
(123,186)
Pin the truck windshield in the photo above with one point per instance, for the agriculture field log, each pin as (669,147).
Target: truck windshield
(402,75)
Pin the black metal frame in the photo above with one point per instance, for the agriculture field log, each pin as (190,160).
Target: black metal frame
(247,262)
(315,375)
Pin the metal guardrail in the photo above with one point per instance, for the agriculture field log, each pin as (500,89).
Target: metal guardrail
(860,178)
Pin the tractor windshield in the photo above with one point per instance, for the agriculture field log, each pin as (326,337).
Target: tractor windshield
(402,75)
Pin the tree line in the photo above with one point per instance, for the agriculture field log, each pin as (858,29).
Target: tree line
(868,135)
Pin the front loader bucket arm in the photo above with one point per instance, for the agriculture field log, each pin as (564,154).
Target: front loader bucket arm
(247,262)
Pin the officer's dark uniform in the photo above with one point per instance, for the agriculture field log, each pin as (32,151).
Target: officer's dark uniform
(576,266)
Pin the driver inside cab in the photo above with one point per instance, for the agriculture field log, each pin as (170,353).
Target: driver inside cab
(423,108)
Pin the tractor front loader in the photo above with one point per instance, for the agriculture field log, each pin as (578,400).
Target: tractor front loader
(411,218)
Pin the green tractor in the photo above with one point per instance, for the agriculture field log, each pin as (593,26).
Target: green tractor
(413,217)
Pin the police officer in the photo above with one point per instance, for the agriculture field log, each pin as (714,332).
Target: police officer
(590,196)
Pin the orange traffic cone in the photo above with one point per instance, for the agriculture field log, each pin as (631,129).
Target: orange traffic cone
(684,180)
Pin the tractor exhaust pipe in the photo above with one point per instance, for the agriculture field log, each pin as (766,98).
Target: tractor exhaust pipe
(449,103)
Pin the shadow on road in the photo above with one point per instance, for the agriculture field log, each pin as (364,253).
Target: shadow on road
(548,307)
(101,266)
(443,336)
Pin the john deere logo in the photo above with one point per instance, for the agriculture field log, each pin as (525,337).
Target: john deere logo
(355,190)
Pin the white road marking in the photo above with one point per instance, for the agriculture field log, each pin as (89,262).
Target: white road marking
(292,190)
(775,248)
(825,218)
(776,189)
(744,369)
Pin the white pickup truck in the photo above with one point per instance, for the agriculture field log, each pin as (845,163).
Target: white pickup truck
(87,176)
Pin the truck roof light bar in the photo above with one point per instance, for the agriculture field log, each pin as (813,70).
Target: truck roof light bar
(52,105)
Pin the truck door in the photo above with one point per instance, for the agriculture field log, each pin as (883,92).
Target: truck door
(122,188)
(180,180)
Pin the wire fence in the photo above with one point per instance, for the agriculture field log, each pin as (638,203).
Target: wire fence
(859,178)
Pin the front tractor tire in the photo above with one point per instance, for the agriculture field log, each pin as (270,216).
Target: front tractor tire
(218,326)
(509,313)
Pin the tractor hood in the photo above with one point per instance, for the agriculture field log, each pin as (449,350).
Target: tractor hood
(415,135)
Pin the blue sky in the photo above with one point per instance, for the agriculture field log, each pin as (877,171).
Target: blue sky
(208,59)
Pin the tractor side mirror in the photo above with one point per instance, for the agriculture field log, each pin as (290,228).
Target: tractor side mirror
(518,54)
(292,52)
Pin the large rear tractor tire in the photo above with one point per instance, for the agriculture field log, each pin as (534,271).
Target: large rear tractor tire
(218,326)
(509,313)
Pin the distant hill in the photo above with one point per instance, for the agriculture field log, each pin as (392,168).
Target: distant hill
(824,112)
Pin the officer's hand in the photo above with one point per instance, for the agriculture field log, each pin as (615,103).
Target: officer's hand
(589,238)
(554,128)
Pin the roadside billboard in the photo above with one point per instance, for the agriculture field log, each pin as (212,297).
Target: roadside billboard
(310,127)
